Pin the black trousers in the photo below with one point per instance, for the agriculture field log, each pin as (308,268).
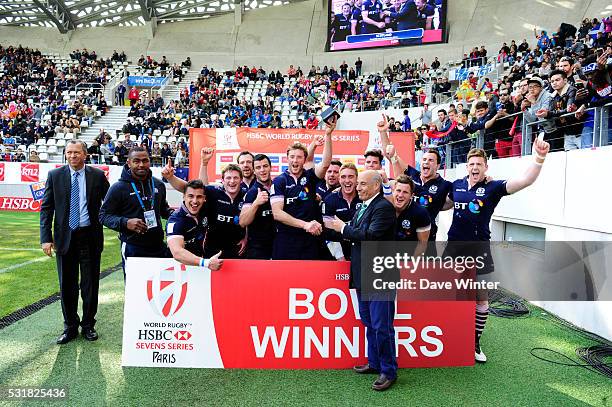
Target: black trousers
(83,255)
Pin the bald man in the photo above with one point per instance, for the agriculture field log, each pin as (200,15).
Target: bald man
(375,220)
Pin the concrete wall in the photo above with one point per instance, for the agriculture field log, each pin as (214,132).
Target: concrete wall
(276,36)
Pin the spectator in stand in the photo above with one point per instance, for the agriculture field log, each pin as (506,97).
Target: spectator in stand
(563,102)
(94,152)
(19,156)
(435,64)
(107,150)
(358,65)
(121,94)
(133,96)
(166,154)
(543,40)
(443,123)
(34,158)
(406,125)
(312,122)
(120,153)
(537,100)
(473,80)
(425,115)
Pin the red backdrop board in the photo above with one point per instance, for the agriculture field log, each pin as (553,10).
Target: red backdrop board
(301,315)
(29,172)
(13,203)
(348,146)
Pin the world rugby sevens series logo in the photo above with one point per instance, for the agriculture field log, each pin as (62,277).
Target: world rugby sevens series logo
(475,205)
(167,290)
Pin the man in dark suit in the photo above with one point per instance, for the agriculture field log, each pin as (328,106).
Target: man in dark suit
(374,221)
(73,196)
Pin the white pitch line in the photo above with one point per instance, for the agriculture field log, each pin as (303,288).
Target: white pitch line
(17,249)
(25,263)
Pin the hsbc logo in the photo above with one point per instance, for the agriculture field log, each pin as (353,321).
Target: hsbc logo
(182,335)
(29,172)
(167,290)
(1,172)
(19,204)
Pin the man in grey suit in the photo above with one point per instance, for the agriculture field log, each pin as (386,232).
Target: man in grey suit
(374,221)
(72,200)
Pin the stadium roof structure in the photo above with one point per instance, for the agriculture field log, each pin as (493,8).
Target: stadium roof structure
(68,15)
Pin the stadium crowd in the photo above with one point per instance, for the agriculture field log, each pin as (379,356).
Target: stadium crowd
(34,97)
(551,86)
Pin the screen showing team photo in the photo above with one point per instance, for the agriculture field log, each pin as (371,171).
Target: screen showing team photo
(356,24)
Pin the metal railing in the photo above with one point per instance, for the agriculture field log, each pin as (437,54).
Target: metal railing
(522,137)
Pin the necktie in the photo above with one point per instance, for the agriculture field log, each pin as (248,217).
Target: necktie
(360,213)
(75,215)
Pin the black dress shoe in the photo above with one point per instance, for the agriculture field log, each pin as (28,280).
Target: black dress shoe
(383,383)
(90,334)
(365,369)
(66,337)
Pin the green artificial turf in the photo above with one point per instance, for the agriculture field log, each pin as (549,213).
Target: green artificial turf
(30,282)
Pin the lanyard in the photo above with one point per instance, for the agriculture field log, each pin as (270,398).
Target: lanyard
(140,199)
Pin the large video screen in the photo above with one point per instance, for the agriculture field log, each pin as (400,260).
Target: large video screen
(357,24)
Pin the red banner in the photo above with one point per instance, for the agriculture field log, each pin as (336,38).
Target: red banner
(348,146)
(11,203)
(301,315)
(29,172)
(266,314)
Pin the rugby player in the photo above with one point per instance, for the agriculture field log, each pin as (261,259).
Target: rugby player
(474,201)
(294,204)
(245,161)
(413,222)
(186,229)
(341,25)
(256,212)
(223,204)
(430,189)
(342,203)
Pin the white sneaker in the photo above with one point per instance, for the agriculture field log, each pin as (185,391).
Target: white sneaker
(479,354)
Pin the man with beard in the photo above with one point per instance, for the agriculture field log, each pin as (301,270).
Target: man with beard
(294,204)
(245,161)
(342,203)
(330,183)
(256,212)
(134,206)
(186,229)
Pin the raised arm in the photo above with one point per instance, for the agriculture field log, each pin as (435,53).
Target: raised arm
(316,142)
(540,148)
(322,167)
(398,164)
